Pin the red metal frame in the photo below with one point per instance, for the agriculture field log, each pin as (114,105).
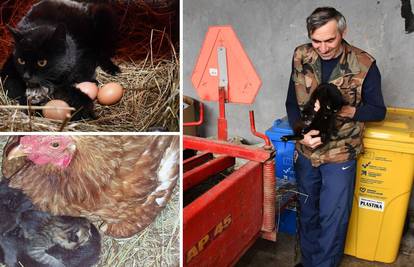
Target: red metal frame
(248,195)
(221,121)
(202,172)
(233,150)
(222,223)
(210,237)
(196,160)
(256,133)
(200,120)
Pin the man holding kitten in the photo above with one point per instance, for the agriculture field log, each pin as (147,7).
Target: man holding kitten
(325,173)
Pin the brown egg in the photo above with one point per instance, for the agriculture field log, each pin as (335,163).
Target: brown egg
(110,93)
(56,113)
(88,88)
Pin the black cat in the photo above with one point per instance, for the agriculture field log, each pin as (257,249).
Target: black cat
(319,114)
(38,239)
(57,44)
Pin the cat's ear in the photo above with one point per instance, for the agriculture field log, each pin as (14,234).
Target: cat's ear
(60,33)
(17,35)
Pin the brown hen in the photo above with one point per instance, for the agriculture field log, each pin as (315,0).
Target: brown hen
(123,180)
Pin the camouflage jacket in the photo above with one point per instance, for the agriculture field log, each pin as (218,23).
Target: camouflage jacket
(348,75)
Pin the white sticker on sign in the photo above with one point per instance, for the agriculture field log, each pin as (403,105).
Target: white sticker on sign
(213,72)
(371,204)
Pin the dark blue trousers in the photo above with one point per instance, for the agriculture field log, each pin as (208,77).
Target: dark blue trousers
(324,214)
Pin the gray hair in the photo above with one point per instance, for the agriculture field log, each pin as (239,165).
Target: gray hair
(323,15)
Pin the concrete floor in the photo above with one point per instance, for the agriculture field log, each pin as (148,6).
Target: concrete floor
(282,254)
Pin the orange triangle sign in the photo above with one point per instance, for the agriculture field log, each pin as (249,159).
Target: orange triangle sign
(243,81)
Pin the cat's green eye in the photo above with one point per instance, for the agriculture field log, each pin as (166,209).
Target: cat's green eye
(21,61)
(42,62)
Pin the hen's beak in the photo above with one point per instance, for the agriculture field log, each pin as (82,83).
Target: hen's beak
(16,152)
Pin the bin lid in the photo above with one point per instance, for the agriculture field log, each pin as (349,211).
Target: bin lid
(280,127)
(396,130)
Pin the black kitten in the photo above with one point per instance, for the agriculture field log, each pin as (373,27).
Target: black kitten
(36,238)
(59,43)
(319,114)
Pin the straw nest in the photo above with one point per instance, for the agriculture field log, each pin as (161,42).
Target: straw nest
(157,245)
(149,60)
(151,99)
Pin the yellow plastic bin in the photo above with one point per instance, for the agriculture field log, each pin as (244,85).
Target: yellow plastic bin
(382,190)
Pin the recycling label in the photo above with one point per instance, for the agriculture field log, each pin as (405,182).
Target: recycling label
(371,204)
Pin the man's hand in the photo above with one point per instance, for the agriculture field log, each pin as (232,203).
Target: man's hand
(347,111)
(310,141)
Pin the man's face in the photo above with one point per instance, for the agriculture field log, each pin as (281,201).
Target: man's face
(327,40)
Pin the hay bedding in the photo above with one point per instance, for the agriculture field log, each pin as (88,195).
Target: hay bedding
(157,245)
(150,100)
(148,58)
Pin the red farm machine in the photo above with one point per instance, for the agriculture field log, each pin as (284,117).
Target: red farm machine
(222,222)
